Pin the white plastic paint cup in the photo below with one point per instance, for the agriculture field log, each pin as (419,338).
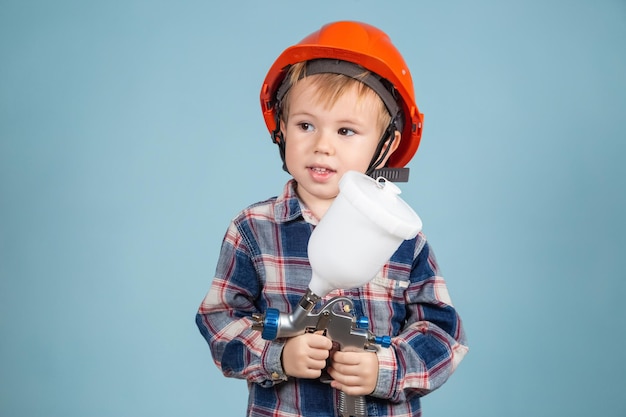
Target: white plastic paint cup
(361,230)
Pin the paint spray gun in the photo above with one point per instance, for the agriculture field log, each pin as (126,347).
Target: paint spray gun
(361,230)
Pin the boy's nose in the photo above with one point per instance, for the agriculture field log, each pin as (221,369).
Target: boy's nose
(323,144)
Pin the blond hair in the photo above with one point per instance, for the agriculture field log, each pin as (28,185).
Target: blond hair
(330,87)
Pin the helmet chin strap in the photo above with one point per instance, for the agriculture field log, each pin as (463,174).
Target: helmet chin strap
(391,174)
(379,154)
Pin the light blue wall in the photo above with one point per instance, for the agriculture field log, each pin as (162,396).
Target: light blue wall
(130,133)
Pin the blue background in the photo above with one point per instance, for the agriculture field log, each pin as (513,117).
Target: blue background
(131,132)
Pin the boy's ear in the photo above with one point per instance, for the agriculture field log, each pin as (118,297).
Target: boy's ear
(394,146)
(396,142)
(282,127)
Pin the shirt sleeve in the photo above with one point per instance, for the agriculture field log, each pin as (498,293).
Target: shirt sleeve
(430,346)
(224,317)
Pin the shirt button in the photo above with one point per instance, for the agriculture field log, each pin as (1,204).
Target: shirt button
(275,375)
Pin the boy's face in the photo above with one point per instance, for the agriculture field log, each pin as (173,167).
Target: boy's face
(325,141)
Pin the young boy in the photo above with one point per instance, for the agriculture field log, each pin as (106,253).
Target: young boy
(339,100)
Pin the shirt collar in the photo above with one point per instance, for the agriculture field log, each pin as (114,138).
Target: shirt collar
(289,207)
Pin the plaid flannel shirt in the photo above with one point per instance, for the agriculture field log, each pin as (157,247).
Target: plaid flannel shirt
(263,264)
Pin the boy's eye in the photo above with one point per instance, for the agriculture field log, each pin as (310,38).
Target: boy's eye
(344,131)
(305,126)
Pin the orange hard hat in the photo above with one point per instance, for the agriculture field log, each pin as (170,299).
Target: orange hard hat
(360,44)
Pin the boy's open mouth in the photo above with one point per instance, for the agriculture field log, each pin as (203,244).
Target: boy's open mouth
(321,174)
(321,170)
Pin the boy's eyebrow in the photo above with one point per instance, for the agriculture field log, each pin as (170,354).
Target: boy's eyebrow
(300,113)
(355,121)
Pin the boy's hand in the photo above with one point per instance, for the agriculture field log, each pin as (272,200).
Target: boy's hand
(304,356)
(354,372)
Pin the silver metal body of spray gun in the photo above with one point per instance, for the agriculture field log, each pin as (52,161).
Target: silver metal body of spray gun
(337,321)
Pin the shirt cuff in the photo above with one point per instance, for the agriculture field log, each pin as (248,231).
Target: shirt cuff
(272,362)
(387,372)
